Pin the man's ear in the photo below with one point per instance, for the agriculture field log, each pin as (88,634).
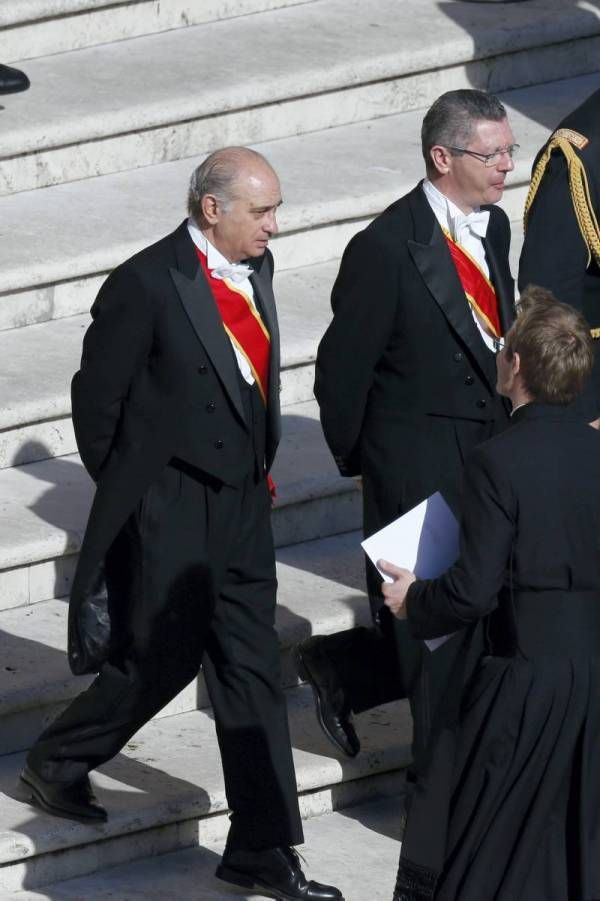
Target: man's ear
(441,159)
(515,364)
(210,209)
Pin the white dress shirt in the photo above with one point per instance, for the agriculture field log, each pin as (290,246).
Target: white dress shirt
(215,259)
(467,231)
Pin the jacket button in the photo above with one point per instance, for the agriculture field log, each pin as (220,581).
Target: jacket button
(219,444)
(481,404)
(211,406)
(469,380)
(203,369)
(458,356)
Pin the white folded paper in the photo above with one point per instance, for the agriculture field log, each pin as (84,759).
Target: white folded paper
(424,540)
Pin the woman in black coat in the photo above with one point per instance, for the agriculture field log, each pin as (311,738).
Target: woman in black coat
(509,808)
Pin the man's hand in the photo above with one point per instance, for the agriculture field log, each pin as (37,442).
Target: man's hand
(595,423)
(395,592)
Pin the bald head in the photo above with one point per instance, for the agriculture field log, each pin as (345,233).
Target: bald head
(233,197)
(218,175)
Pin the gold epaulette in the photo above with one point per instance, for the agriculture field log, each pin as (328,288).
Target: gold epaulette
(566,139)
(595,332)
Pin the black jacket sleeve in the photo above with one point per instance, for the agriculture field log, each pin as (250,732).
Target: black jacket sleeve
(115,346)
(554,254)
(364,300)
(469,589)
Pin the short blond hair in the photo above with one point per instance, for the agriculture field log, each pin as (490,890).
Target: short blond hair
(554,345)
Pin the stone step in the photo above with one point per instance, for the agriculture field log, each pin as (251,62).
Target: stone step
(135,103)
(321,590)
(35,405)
(165,792)
(82,230)
(355,849)
(44,508)
(30,28)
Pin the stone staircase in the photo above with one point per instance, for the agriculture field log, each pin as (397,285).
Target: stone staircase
(126,98)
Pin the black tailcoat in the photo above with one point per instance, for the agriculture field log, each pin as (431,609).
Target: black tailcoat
(406,388)
(169,388)
(177,567)
(404,380)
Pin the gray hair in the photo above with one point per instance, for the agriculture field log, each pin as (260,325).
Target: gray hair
(451,119)
(217,175)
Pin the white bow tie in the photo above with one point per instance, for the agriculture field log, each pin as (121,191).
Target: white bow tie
(476,223)
(236,272)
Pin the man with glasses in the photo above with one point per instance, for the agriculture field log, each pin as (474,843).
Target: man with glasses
(405,380)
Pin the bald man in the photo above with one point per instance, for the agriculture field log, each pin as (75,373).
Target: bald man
(177,419)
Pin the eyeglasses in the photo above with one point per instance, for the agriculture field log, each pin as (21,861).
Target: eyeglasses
(489,159)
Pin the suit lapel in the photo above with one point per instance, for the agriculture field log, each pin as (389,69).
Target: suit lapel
(265,301)
(198,302)
(501,278)
(432,258)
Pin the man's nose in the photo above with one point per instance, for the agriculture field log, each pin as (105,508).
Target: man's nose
(506,164)
(270,223)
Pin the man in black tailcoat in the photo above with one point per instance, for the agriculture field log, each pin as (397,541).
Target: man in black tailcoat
(177,418)
(561,250)
(405,380)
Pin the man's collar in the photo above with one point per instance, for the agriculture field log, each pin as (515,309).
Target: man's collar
(452,217)
(214,257)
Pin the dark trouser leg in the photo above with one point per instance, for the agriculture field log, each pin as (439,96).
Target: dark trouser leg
(190,540)
(164,548)
(242,670)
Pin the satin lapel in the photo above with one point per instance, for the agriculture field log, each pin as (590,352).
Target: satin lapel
(199,304)
(503,283)
(432,258)
(263,289)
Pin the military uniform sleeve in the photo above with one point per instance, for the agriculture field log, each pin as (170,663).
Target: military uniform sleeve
(115,346)
(554,253)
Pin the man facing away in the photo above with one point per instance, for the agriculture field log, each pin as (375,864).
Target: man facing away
(405,380)
(176,413)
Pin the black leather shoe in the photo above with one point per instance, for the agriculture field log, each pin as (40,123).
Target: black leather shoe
(12,80)
(75,800)
(276,873)
(314,666)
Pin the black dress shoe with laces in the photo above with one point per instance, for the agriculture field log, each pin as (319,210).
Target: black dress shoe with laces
(12,80)
(276,873)
(314,667)
(74,800)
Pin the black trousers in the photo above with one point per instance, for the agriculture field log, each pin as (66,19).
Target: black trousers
(385,663)
(192,581)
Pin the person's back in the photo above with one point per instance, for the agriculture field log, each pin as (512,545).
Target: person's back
(547,467)
(507,807)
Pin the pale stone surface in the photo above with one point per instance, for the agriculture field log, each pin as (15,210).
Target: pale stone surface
(321,590)
(355,849)
(100,111)
(67,26)
(83,229)
(169,773)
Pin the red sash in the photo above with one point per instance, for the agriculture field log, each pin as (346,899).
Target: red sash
(478,288)
(243,324)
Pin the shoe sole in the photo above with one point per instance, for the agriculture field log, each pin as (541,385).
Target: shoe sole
(234,877)
(307,676)
(38,800)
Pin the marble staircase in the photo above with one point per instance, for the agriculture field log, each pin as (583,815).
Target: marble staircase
(126,98)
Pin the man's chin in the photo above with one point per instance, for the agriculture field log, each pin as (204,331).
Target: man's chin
(258,251)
